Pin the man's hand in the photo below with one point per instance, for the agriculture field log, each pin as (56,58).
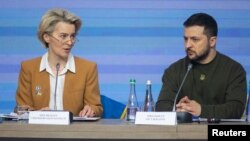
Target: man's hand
(190,106)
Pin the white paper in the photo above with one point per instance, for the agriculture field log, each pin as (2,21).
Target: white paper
(49,117)
(156,118)
(85,118)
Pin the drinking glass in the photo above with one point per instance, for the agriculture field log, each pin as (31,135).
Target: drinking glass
(23,112)
(22,109)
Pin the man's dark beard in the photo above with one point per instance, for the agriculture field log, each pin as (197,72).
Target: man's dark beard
(200,57)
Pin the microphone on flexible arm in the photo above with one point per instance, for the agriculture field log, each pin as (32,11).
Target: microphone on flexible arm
(57,71)
(65,114)
(182,117)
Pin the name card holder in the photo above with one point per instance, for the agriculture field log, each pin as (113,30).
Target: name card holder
(156,118)
(50,117)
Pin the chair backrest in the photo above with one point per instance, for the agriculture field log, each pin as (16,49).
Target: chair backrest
(112,109)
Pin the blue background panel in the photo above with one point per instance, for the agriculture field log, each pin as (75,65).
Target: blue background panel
(126,38)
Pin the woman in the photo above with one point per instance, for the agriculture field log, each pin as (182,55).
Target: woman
(58,80)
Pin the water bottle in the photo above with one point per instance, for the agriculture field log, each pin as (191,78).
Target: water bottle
(132,105)
(248,105)
(149,105)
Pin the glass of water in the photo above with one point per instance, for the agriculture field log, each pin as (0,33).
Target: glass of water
(23,111)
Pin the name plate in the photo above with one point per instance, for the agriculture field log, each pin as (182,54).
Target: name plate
(156,118)
(49,117)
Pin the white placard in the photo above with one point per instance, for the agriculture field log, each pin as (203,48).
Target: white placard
(49,117)
(156,118)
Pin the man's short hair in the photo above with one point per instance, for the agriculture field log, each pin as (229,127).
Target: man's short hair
(205,20)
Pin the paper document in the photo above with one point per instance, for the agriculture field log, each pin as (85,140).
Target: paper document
(86,118)
(15,116)
(219,120)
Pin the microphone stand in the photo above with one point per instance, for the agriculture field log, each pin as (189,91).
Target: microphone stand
(183,117)
(57,70)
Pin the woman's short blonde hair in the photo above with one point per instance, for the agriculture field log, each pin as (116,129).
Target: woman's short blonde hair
(51,18)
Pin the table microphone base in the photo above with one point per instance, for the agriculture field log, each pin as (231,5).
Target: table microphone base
(184,117)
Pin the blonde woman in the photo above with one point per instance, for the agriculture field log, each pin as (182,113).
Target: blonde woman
(58,80)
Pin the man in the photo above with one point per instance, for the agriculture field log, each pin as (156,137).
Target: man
(215,86)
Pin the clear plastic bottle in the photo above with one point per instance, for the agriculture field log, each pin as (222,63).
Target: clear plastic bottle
(132,105)
(149,105)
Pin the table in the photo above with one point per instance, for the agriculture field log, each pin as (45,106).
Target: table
(101,129)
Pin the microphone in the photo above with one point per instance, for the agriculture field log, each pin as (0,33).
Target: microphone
(183,117)
(57,70)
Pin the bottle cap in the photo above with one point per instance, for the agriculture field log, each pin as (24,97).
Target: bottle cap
(132,81)
(149,82)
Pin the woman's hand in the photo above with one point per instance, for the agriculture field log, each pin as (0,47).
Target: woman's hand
(87,111)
